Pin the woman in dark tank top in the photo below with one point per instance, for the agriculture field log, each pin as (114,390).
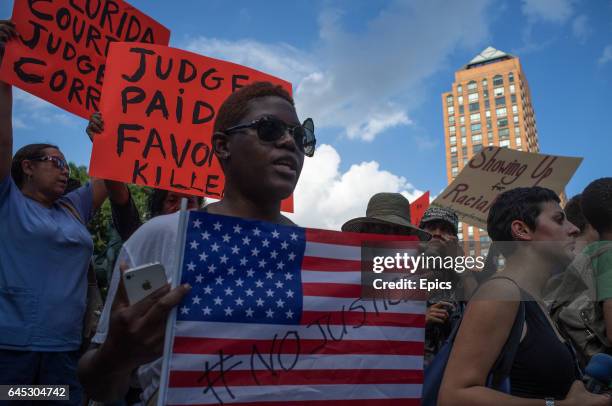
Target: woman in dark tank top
(543,366)
(531,231)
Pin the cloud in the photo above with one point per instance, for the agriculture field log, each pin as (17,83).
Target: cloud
(365,82)
(580,28)
(29,108)
(606,55)
(553,11)
(326,197)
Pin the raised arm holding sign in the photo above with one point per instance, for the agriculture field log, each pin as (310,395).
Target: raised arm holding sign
(62,47)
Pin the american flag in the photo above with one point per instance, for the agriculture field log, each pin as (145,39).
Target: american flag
(275,318)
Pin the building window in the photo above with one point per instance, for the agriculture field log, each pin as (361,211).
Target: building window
(472,86)
(512,89)
(474,107)
(451,119)
(502,122)
(484,83)
(452,140)
(463,140)
(452,129)
(517,131)
(504,133)
(461,119)
(501,112)
(515,119)
(514,109)
(490,137)
(518,141)
(462,129)
(450,110)
(475,128)
(449,100)
(511,77)
(463,151)
(477,139)
(513,98)
(453,149)
(488,124)
(472,97)
(487,104)
(498,80)
(460,100)
(500,101)
(504,143)
(477,148)
(454,171)
(498,91)
(459,89)
(488,113)
(475,118)
(461,109)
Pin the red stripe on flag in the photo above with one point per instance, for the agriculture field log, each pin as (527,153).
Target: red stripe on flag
(330,265)
(331,290)
(191,345)
(351,402)
(198,379)
(355,239)
(357,318)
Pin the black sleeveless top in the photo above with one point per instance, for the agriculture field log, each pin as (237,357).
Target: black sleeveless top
(543,366)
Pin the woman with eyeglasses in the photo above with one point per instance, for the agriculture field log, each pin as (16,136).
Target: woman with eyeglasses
(45,250)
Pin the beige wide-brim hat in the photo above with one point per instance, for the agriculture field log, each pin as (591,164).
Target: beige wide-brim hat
(387,208)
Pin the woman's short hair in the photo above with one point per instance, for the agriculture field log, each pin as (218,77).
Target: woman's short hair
(524,204)
(30,151)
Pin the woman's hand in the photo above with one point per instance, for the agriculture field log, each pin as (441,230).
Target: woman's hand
(7,32)
(95,126)
(579,396)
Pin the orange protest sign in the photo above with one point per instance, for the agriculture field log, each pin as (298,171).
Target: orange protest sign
(418,207)
(159,106)
(61,50)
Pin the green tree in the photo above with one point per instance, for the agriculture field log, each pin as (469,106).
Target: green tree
(104,236)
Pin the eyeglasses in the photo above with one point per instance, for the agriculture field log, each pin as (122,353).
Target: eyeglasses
(59,162)
(270,129)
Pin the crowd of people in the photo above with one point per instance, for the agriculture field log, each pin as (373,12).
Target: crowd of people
(261,145)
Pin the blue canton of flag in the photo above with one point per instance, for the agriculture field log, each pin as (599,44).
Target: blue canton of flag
(242,271)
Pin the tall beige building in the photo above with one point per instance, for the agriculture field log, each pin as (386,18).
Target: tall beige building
(489,104)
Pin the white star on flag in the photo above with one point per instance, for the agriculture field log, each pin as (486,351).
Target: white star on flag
(239,301)
(199,278)
(218,301)
(246,241)
(275,234)
(249,312)
(212,268)
(196,300)
(191,266)
(217,226)
(279,284)
(269,275)
(294,236)
(219,280)
(237,229)
(259,302)
(235,249)
(184,310)
(270,313)
(194,245)
(288,276)
(207,311)
(280,303)
(289,293)
(229,291)
(249,292)
(223,259)
(203,256)
(226,238)
(289,314)
(265,243)
(254,252)
(269,292)
(197,223)
(205,235)
(207,290)
(256,232)
(291,256)
(214,247)
(228,311)
(284,245)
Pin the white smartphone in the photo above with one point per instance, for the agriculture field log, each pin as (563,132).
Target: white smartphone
(143,280)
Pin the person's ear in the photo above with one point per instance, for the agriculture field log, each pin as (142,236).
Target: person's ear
(520,231)
(27,167)
(221,146)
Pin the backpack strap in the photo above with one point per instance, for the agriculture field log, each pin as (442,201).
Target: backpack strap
(503,365)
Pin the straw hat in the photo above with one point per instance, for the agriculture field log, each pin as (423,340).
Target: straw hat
(386,208)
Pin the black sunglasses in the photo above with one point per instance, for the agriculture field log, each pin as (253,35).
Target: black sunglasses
(59,162)
(270,129)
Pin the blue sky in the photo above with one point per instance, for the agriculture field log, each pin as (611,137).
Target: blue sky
(371,73)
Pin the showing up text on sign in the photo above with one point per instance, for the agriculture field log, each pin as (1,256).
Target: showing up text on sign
(62,46)
(495,170)
(159,108)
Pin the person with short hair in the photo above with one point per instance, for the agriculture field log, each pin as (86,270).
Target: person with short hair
(597,208)
(261,145)
(537,238)
(588,234)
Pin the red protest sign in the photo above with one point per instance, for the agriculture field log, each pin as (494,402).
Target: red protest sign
(418,207)
(61,50)
(159,108)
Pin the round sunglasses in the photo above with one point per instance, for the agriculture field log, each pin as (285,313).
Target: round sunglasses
(271,129)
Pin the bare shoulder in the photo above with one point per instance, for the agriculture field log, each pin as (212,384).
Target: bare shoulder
(498,289)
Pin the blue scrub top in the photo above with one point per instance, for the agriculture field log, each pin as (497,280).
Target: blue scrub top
(44,256)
